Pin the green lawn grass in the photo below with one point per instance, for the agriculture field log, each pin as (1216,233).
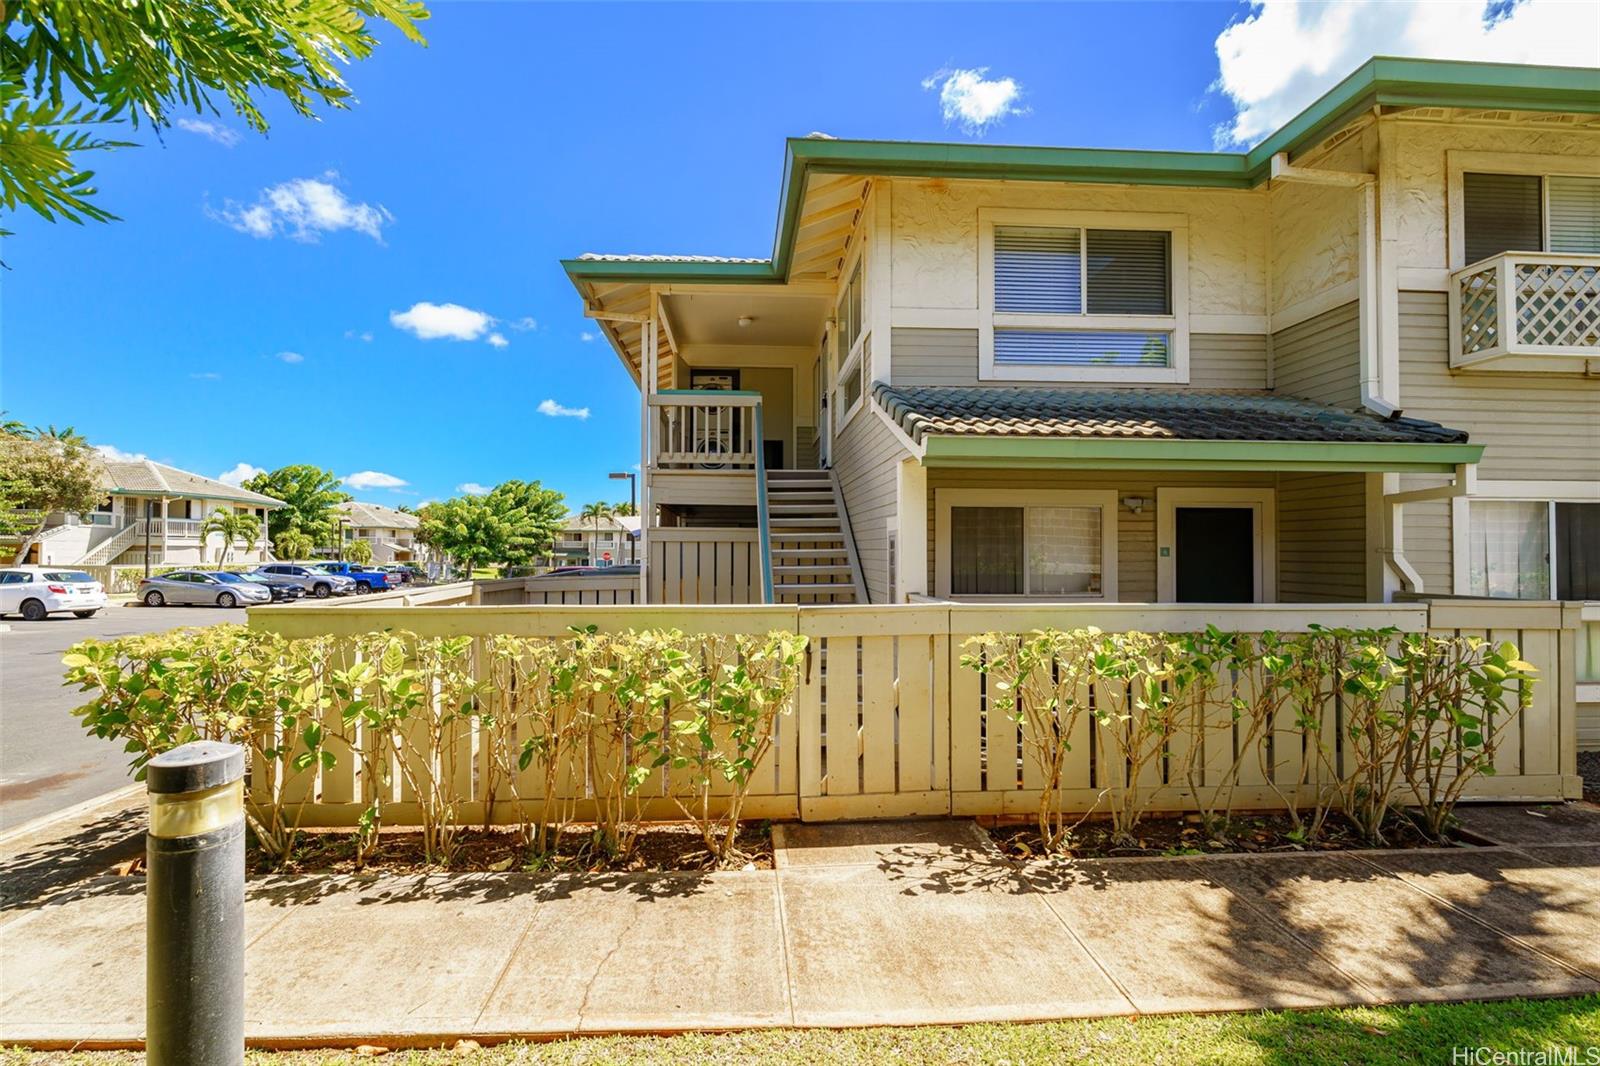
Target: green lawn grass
(1401,1036)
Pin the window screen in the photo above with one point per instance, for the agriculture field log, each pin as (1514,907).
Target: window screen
(1502,214)
(1128,272)
(1574,214)
(1061,347)
(1578,551)
(1038,271)
(1063,551)
(986,551)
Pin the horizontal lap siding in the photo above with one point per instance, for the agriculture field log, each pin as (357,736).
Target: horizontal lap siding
(1322,538)
(866,456)
(1539,427)
(950,357)
(1428,547)
(1320,359)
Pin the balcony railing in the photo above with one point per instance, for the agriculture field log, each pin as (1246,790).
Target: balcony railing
(176,528)
(1525,303)
(703,429)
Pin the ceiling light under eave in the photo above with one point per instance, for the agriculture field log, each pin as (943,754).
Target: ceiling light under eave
(744,321)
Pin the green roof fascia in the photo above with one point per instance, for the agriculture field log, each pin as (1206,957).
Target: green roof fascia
(1382,80)
(1065,453)
(156,494)
(1392,81)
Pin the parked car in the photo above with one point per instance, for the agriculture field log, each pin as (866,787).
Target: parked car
(366,578)
(283,589)
(36,592)
(315,582)
(220,587)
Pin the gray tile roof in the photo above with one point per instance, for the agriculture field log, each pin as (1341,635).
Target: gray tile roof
(1153,414)
(144,476)
(377,516)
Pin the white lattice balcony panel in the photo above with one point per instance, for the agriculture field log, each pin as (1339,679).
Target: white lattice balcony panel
(1525,303)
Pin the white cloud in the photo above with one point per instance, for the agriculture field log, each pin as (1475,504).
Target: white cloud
(113,454)
(374,479)
(240,473)
(304,209)
(524,324)
(973,102)
(433,321)
(206,375)
(472,488)
(291,357)
(221,134)
(1286,53)
(497,340)
(586,336)
(362,335)
(555,410)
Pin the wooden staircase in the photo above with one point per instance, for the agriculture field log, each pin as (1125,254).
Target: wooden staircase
(813,555)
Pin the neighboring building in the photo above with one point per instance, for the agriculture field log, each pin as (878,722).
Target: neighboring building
(152,507)
(1358,361)
(610,541)
(392,533)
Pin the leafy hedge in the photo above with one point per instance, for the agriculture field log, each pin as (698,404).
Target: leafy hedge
(1384,719)
(591,715)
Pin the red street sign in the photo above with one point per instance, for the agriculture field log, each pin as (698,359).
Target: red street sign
(606,556)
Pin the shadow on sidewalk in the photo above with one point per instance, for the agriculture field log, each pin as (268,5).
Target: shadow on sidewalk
(42,874)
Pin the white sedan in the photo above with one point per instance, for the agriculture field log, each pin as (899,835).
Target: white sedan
(36,592)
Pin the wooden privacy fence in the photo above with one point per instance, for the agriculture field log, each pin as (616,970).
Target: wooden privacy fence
(559,590)
(888,723)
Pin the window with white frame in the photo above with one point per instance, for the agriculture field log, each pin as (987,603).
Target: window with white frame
(1004,545)
(1529,213)
(1096,297)
(854,344)
(1533,549)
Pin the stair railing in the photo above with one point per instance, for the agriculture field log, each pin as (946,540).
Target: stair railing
(763,523)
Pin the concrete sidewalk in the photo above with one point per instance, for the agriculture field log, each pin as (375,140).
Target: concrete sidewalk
(888,923)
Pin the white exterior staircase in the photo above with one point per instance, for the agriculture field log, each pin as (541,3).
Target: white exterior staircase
(813,555)
(114,545)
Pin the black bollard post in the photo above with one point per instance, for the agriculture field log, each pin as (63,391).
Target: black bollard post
(194,916)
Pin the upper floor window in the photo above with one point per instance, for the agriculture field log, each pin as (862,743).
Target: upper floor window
(1529,213)
(1102,300)
(855,346)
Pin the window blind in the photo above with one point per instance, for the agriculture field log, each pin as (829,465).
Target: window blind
(1059,347)
(1574,214)
(1038,270)
(1128,272)
(1510,549)
(986,551)
(1502,214)
(1577,550)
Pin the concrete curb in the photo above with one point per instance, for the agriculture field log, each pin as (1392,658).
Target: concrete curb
(77,814)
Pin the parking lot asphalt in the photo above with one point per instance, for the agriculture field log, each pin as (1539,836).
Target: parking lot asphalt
(47,762)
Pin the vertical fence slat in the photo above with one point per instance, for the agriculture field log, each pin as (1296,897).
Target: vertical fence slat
(965,719)
(914,664)
(877,714)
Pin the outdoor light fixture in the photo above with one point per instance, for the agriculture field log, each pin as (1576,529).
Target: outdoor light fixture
(744,321)
(1136,504)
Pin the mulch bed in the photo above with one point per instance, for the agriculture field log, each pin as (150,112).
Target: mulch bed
(1169,835)
(1589,770)
(657,848)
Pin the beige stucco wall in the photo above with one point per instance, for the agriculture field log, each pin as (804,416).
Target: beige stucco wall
(1314,230)
(934,257)
(1416,197)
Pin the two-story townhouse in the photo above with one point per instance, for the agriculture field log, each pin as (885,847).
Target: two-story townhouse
(151,509)
(391,533)
(1360,360)
(612,540)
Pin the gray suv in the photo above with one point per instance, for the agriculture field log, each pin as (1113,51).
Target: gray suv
(315,582)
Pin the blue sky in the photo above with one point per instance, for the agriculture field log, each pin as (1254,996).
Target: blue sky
(241,312)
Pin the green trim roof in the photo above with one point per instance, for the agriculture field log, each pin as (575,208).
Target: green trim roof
(1381,81)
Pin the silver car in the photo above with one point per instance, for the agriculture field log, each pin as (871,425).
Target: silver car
(316,582)
(218,587)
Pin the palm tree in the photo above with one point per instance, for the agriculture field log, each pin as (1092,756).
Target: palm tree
(67,435)
(624,508)
(358,551)
(593,513)
(293,544)
(234,526)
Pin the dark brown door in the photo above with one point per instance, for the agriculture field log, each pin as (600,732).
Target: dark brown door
(1216,555)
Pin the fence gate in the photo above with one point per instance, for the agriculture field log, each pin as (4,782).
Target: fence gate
(873,713)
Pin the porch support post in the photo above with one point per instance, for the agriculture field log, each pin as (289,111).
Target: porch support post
(165,527)
(1388,571)
(911,512)
(649,360)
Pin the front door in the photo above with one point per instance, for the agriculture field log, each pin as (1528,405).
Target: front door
(1216,555)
